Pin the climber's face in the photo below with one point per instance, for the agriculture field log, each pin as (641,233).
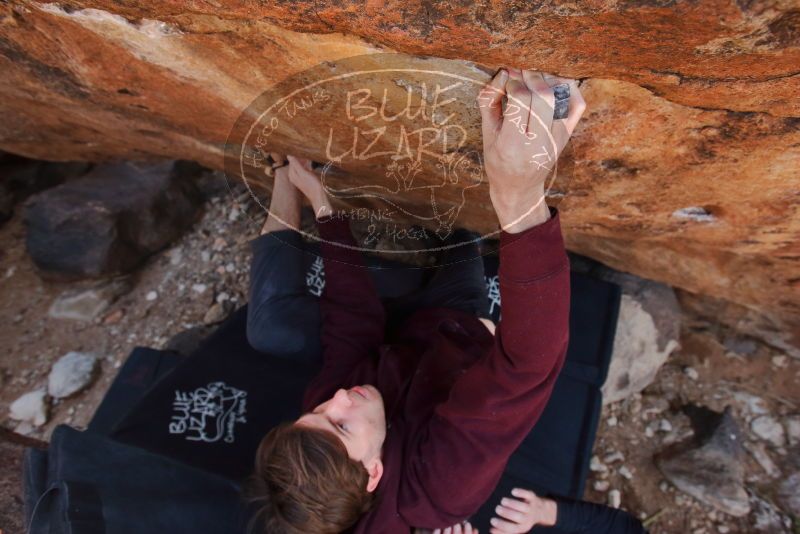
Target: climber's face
(357,417)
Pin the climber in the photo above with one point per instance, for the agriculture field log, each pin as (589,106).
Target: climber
(415,430)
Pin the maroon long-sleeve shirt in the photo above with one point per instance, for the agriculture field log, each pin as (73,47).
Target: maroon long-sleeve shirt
(458,400)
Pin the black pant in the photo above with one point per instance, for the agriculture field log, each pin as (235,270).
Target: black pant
(283,312)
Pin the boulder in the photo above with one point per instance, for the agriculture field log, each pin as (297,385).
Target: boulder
(648,329)
(109,221)
(709,468)
(690,107)
(31,407)
(22,177)
(70,374)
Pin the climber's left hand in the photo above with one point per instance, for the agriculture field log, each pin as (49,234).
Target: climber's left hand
(306,180)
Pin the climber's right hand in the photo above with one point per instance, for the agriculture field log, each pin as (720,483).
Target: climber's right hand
(522,142)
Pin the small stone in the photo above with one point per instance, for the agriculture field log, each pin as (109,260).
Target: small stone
(722,529)
(649,432)
(691,372)
(664,426)
(217,312)
(24,428)
(615,456)
(740,345)
(175,256)
(760,455)
(789,493)
(601,485)
(793,429)
(779,361)
(766,517)
(219,244)
(87,303)
(625,473)
(656,406)
(234,214)
(612,421)
(614,498)
(199,288)
(70,374)
(222,297)
(752,403)
(114,317)
(30,407)
(768,429)
(151,296)
(663,486)
(596,465)
(205,256)
(230,267)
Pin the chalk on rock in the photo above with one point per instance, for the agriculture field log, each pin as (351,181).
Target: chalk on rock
(693,213)
(70,374)
(30,407)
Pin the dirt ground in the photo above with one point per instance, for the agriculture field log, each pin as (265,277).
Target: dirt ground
(174,290)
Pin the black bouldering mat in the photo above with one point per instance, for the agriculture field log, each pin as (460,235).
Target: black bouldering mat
(190,409)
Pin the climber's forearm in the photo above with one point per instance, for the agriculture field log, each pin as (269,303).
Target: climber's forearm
(284,207)
(518,211)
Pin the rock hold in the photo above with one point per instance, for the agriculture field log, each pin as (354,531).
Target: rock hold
(70,374)
(710,470)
